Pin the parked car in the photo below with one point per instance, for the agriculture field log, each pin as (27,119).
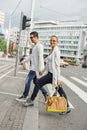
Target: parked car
(63,64)
(84,64)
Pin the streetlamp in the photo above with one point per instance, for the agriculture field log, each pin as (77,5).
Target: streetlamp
(32,13)
(28,44)
(7,47)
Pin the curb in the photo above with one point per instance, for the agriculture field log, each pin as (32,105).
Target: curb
(31,117)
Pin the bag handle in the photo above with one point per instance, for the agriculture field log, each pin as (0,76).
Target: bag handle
(56,89)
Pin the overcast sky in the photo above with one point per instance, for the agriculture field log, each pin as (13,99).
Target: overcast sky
(60,10)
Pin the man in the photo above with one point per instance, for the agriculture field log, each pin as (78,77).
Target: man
(37,66)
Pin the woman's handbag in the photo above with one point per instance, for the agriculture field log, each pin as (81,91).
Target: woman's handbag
(56,104)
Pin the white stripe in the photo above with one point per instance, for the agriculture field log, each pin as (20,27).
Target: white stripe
(23,72)
(6,68)
(11,94)
(3,66)
(84,78)
(80,81)
(15,77)
(6,73)
(70,105)
(76,89)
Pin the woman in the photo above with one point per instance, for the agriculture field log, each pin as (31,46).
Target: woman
(53,75)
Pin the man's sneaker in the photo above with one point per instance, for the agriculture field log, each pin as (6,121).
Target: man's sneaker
(28,102)
(68,111)
(21,98)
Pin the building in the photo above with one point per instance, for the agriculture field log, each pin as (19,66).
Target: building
(2,15)
(72,36)
(14,35)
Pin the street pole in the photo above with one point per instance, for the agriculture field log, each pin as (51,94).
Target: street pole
(7,46)
(31,23)
(28,45)
(17,55)
(32,14)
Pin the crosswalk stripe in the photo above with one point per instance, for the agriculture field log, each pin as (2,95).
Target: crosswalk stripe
(71,106)
(76,89)
(3,66)
(6,73)
(84,78)
(79,81)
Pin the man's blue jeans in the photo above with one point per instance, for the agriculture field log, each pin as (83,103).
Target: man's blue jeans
(32,76)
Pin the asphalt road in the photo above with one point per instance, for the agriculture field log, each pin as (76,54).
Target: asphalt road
(74,82)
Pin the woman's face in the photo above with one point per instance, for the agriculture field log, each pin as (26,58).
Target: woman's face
(53,42)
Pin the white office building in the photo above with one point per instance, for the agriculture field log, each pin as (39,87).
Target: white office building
(14,34)
(72,36)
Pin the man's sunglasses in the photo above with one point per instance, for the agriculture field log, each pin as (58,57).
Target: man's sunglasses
(31,37)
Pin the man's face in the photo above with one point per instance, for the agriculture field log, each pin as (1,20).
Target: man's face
(33,38)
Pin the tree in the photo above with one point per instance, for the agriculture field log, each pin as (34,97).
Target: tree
(2,45)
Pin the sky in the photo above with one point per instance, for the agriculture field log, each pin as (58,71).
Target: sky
(57,10)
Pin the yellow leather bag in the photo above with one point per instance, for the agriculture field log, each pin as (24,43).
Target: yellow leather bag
(56,104)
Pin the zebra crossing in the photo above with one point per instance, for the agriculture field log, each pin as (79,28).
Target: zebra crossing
(84,78)
(6,68)
(73,87)
(80,81)
(76,89)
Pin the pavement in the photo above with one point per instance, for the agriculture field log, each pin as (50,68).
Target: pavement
(13,116)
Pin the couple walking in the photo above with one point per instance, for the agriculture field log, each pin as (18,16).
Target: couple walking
(37,65)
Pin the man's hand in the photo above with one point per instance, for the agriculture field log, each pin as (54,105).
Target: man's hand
(59,82)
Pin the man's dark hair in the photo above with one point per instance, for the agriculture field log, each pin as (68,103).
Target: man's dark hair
(34,33)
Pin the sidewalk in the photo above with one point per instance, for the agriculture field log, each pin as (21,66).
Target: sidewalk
(13,116)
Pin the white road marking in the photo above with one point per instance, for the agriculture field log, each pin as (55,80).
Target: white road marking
(6,73)
(10,94)
(76,89)
(22,72)
(84,78)
(15,77)
(71,106)
(3,66)
(80,81)
(6,68)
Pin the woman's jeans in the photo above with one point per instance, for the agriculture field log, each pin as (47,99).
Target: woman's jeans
(32,76)
(43,81)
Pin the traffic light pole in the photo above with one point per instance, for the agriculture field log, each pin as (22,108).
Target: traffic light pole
(31,23)
(28,45)
(17,54)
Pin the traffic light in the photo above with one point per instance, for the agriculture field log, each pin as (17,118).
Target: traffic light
(25,22)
